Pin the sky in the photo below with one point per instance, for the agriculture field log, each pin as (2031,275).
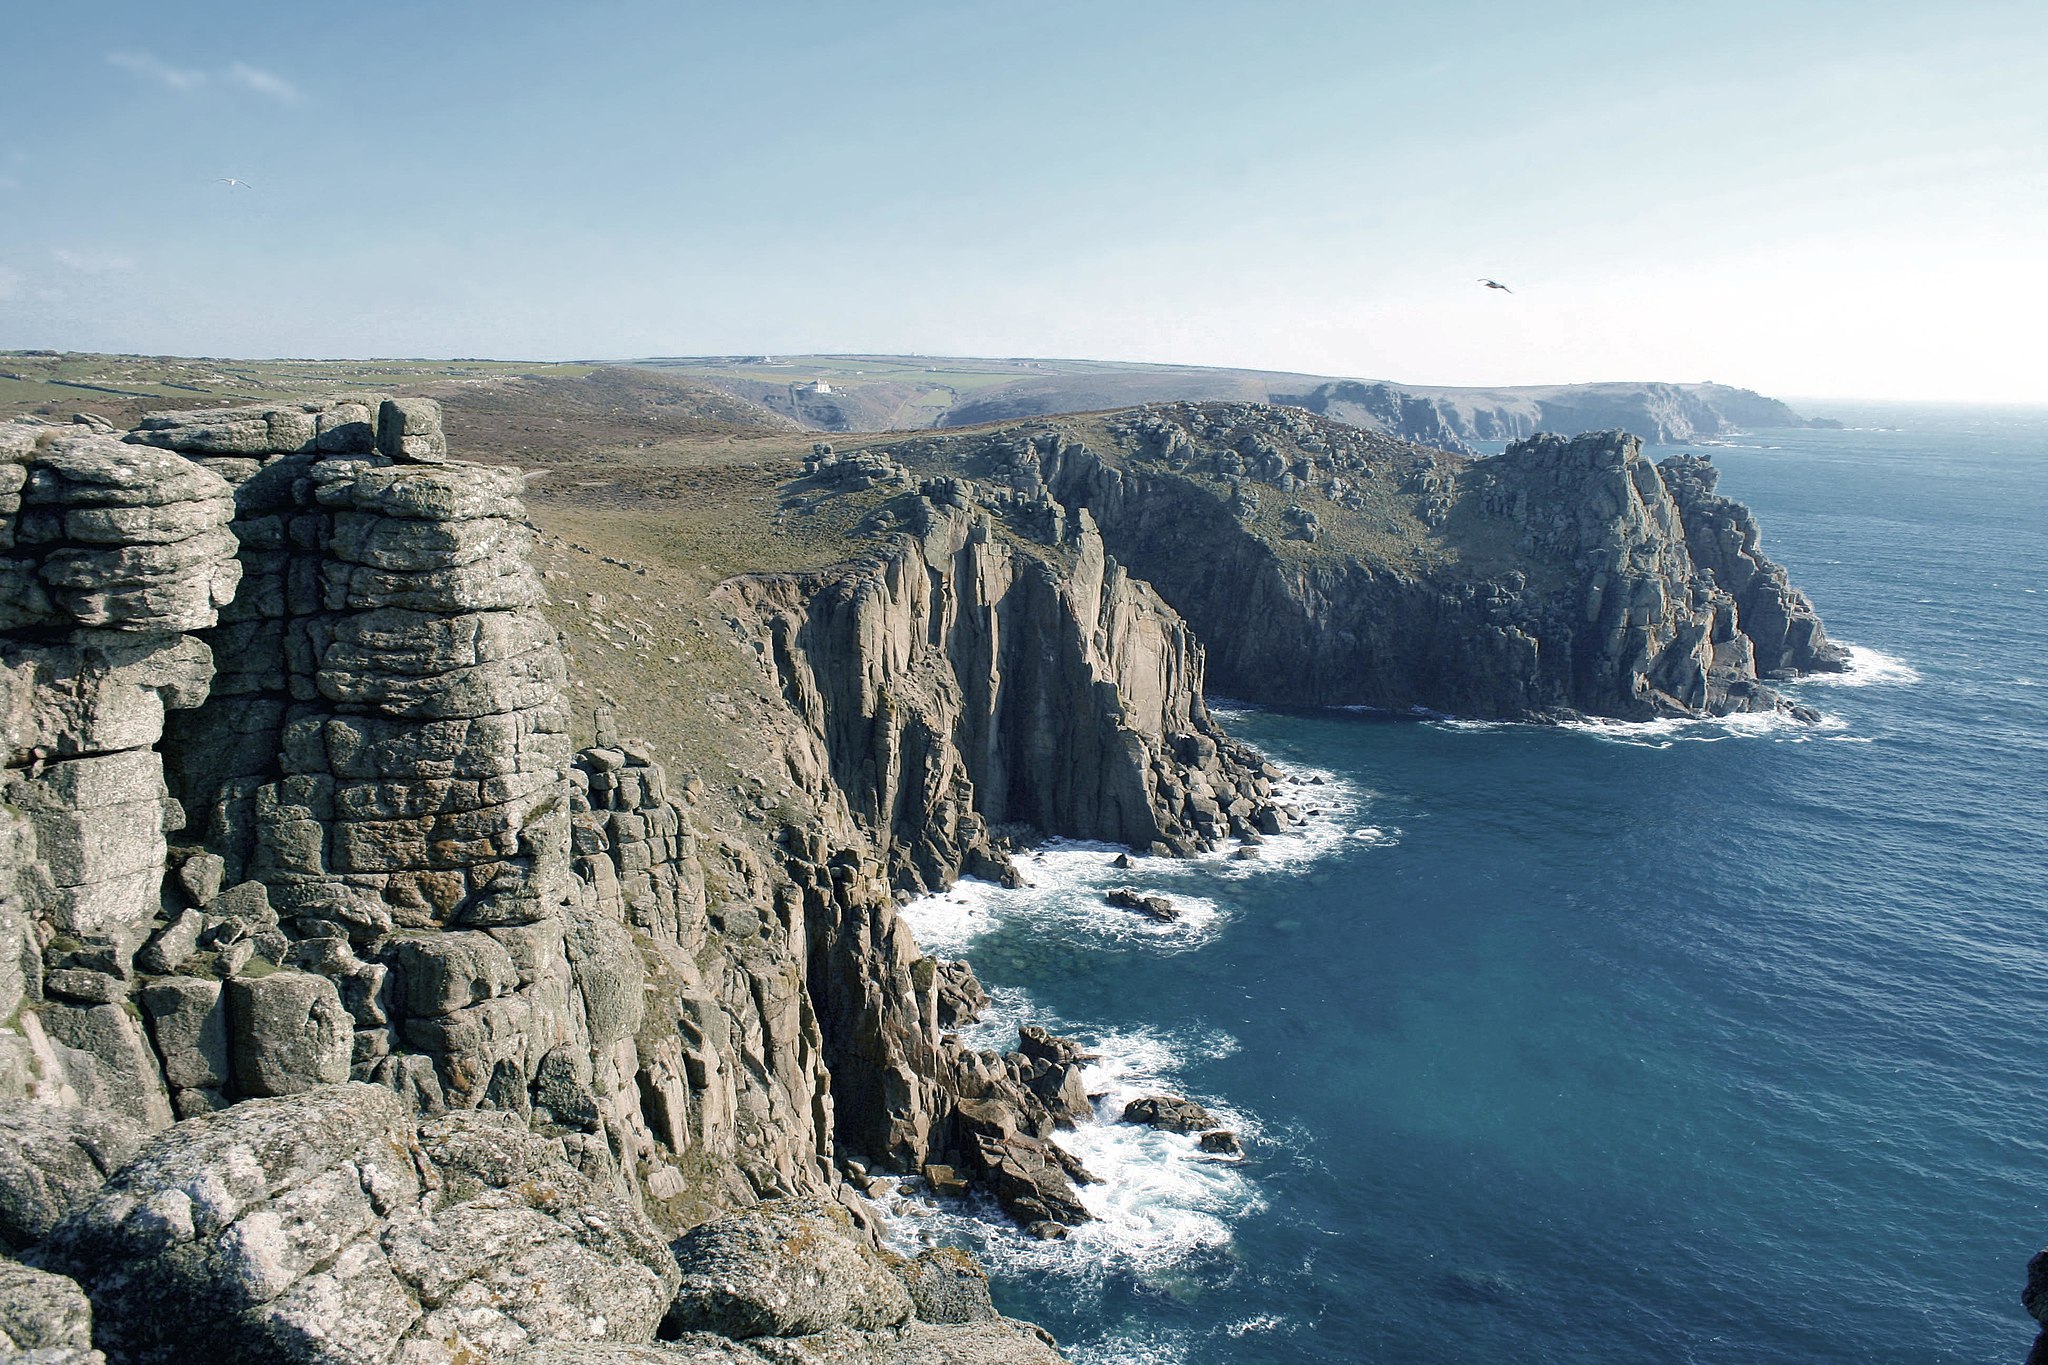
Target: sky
(1828,199)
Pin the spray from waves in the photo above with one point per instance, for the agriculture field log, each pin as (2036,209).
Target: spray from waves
(1063,894)
(1065,880)
(1867,668)
(1776,726)
(1159,1201)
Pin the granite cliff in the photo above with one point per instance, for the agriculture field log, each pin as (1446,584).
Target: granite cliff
(366,992)
(1322,565)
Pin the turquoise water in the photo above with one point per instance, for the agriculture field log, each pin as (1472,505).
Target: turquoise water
(1715,1043)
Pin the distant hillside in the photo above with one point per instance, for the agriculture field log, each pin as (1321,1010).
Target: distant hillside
(858,393)
(498,409)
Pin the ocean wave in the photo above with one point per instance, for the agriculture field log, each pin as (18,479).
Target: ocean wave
(1867,668)
(1157,1346)
(1779,726)
(1065,880)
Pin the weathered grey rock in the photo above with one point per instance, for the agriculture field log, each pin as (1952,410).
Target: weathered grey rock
(785,1268)
(109,1063)
(1002,1342)
(1170,1112)
(1156,908)
(410,429)
(1042,1045)
(188,1023)
(322,1228)
(43,1314)
(289,1033)
(947,1285)
(202,875)
(445,972)
(51,1161)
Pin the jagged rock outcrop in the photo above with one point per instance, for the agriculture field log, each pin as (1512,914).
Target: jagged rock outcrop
(1449,418)
(1783,628)
(110,557)
(331,1227)
(1322,565)
(993,667)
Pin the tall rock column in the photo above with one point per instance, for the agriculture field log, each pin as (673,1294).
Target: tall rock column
(110,558)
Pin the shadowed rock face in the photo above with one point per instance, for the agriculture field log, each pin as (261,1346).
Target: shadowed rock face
(1320,565)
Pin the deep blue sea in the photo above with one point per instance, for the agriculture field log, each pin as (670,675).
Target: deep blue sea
(1722,1042)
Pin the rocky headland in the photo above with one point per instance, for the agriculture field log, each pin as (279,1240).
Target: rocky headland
(374,987)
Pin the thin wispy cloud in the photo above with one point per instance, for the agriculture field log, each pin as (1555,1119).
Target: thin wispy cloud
(151,67)
(267,83)
(187,79)
(93,262)
(10,282)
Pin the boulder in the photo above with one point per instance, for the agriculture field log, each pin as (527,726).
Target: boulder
(52,1160)
(783,1268)
(325,1227)
(1041,1045)
(43,1313)
(289,1032)
(1157,908)
(189,1025)
(946,1284)
(1171,1112)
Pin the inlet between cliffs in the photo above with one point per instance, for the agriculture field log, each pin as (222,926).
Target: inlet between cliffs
(1681,1040)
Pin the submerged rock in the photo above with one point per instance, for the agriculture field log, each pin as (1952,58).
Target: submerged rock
(1156,908)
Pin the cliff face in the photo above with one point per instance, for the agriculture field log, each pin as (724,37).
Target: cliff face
(993,670)
(389,864)
(1325,566)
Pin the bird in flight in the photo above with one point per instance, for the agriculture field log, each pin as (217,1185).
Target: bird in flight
(1496,284)
(233,183)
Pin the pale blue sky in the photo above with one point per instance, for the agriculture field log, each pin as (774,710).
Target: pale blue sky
(1846,199)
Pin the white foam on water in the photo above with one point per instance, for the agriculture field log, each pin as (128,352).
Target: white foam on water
(1256,1325)
(1009,1008)
(1159,1198)
(1066,881)
(1064,885)
(1867,668)
(1327,806)
(1159,1346)
(1777,726)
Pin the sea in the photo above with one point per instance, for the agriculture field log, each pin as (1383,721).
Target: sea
(1665,1042)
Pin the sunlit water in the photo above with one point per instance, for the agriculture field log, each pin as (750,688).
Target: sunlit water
(1720,1042)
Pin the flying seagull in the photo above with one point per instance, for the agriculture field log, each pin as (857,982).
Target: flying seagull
(233,183)
(1496,284)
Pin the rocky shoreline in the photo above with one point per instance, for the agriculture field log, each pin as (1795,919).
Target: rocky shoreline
(353,1003)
